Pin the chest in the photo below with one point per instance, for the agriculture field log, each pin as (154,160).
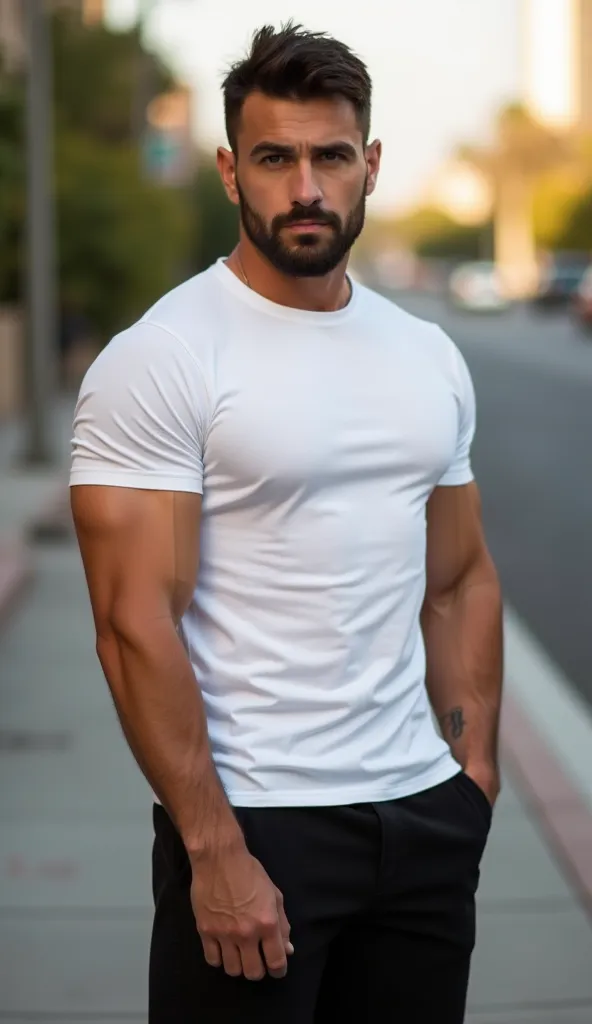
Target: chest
(313,409)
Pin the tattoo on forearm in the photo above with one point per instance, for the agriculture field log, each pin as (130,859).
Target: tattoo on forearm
(454,722)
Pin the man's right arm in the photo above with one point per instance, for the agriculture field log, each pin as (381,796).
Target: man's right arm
(140,554)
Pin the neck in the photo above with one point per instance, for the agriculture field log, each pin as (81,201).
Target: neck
(319,294)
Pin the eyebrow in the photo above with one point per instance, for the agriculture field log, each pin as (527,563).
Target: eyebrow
(277,149)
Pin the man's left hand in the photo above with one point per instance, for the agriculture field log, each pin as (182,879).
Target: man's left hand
(487,778)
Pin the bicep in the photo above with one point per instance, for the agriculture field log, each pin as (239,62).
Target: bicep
(455,538)
(140,551)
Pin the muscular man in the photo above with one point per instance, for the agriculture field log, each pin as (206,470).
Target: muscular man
(281,533)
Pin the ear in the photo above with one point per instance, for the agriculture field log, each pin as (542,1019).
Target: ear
(373,156)
(226,162)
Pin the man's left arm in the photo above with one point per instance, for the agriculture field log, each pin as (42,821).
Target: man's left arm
(462,626)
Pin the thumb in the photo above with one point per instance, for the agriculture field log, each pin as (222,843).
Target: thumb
(283,922)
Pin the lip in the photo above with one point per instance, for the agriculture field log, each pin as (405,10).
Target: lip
(305,225)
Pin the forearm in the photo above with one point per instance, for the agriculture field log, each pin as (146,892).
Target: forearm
(464,648)
(162,714)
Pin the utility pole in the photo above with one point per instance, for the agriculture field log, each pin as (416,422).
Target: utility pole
(143,87)
(40,348)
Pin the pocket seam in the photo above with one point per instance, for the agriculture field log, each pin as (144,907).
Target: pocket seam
(480,794)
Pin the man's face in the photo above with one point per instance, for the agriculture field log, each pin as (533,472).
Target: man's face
(301,176)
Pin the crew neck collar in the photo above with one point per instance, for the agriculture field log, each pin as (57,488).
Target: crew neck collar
(304,316)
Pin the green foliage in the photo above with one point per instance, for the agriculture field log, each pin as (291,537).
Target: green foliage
(216,219)
(122,241)
(98,78)
(556,197)
(459,242)
(577,232)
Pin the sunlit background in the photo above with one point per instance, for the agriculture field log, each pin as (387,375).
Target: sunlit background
(110,115)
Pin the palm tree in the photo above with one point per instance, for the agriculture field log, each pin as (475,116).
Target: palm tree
(523,150)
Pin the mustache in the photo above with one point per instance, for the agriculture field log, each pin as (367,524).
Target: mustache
(302,214)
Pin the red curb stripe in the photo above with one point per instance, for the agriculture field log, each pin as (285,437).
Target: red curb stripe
(562,813)
(15,572)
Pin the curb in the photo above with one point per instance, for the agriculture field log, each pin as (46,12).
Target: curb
(562,814)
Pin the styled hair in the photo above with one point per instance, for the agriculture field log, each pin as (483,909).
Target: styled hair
(293,63)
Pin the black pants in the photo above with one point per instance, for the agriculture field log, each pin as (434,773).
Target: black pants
(381,900)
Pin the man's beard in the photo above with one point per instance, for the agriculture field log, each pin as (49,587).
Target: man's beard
(313,253)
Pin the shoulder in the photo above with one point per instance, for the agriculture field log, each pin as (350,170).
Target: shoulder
(426,336)
(190,311)
(426,344)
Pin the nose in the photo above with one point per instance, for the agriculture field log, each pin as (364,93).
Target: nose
(304,190)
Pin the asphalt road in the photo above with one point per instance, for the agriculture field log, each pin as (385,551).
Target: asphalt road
(533,461)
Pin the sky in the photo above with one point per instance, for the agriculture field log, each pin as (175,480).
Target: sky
(440,68)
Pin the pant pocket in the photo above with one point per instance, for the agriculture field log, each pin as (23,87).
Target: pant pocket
(474,795)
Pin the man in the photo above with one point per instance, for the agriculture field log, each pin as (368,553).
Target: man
(281,534)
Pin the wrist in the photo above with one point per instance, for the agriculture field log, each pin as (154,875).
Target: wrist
(486,775)
(209,844)
(483,767)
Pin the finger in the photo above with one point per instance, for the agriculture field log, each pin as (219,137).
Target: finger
(274,952)
(231,959)
(253,965)
(284,923)
(212,952)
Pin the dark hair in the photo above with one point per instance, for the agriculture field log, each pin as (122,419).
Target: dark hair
(295,64)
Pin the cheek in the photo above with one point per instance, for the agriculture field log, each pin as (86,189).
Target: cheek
(269,198)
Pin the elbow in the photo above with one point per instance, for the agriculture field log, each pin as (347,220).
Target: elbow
(124,630)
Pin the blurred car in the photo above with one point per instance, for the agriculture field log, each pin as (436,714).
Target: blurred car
(582,303)
(476,287)
(559,284)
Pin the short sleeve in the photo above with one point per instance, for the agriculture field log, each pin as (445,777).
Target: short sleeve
(460,471)
(141,415)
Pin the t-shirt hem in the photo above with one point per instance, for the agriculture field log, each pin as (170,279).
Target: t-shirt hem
(140,481)
(342,797)
(456,479)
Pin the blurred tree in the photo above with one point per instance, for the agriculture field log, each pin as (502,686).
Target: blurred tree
(97,76)
(122,242)
(461,242)
(12,186)
(215,218)
(522,151)
(560,199)
(577,231)
(432,233)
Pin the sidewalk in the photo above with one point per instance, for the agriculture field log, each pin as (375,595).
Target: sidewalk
(26,496)
(75,843)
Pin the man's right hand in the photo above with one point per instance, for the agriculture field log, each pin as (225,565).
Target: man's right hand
(240,916)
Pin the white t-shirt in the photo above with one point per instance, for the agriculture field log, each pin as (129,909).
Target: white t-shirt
(316,439)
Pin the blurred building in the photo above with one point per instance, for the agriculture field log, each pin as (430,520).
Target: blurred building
(13,48)
(557,61)
(12,35)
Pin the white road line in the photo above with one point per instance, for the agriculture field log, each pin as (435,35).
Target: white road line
(560,714)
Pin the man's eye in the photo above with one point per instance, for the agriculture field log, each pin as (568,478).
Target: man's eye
(331,157)
(274,159)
